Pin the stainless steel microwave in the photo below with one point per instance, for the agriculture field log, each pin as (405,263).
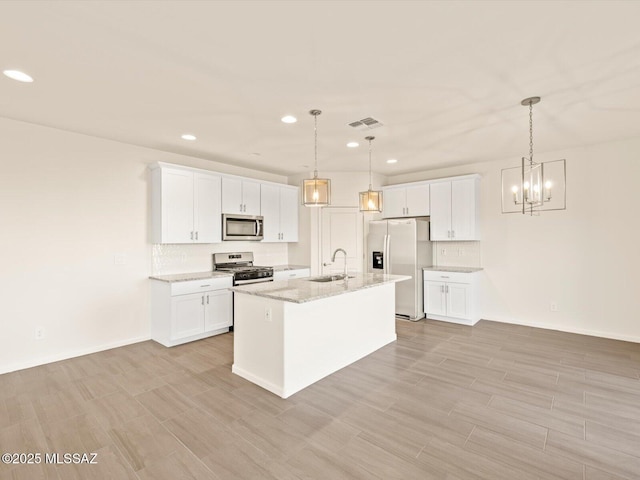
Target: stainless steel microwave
(242,227)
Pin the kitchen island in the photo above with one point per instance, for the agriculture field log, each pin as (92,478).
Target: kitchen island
(290,334)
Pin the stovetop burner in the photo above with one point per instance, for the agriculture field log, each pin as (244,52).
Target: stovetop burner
(242,267)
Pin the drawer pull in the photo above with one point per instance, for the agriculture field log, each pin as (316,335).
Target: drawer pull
(205,285)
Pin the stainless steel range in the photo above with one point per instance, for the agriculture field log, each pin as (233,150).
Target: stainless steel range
(242,267)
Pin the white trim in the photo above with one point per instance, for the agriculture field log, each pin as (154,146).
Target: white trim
(459,321)
(273,388)
(175,166)
(65,356)
(430,181)
(579,331)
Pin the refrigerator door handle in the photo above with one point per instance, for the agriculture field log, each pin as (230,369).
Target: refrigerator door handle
(387,256)
(384,255)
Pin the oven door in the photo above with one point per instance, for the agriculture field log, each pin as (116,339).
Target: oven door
(242,227)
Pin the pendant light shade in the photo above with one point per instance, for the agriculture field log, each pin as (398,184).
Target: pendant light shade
(371,200)
(534,187)
(316,192)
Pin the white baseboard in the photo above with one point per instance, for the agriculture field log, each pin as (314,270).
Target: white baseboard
(459,321)
(67,355)
(259,381)
(563,328)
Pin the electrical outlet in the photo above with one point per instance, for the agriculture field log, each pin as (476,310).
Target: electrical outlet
(443,251)
(267,314)
(553,307)
(39,333)
(120,259)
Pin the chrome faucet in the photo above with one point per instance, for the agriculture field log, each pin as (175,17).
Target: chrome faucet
(333,259)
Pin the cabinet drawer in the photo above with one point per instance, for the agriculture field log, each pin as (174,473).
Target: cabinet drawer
(197,286)
(448,277)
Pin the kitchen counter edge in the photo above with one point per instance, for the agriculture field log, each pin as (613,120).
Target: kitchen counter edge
(303,290)
(285,268)
(185,277)
(453,269)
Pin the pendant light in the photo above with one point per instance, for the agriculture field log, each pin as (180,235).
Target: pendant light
(316,192)
(534,187)
(371,200)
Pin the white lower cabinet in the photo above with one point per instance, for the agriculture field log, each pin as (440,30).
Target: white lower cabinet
(185,311)
(291,274)
(451,296)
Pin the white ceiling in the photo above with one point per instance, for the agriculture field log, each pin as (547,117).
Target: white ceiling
(445,78)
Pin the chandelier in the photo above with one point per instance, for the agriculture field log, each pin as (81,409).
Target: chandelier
(316,192)
(534,187)
(371,200)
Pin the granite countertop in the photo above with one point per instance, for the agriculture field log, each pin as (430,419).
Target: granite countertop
(301,290)
(185,277)
(453,269)
(284,268)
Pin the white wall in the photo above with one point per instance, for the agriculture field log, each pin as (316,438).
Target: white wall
(68,204)
(586,258)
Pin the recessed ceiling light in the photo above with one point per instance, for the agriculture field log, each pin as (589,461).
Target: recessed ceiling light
(353,144)
(392,160)
(289,119)
(18,75)
(188,136)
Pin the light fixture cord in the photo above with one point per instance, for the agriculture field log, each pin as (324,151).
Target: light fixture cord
(370,165)
(530,132)
(315,152)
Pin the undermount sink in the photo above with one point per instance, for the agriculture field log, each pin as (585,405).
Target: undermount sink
(329,278)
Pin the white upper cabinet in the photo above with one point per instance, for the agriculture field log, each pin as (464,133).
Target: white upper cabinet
(279,207)
(207,210)
(240,196)
(418,201)
(454,209)
(289,205)
(405,201)
(394,202)
(185,206)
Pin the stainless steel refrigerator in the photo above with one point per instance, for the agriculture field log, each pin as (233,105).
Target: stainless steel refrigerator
(401,247)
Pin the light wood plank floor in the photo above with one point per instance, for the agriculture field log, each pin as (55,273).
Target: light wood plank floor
(445,401)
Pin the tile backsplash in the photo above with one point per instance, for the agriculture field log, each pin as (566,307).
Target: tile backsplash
(168,259)
(456,254)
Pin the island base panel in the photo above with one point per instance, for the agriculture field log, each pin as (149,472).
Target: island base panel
(285,347)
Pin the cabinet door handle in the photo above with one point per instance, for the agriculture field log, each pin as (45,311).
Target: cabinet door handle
(446,288)
(196,235)
(453,234)
(191,235)
(207,299)
(240,207)
(202,300)
(441,288)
